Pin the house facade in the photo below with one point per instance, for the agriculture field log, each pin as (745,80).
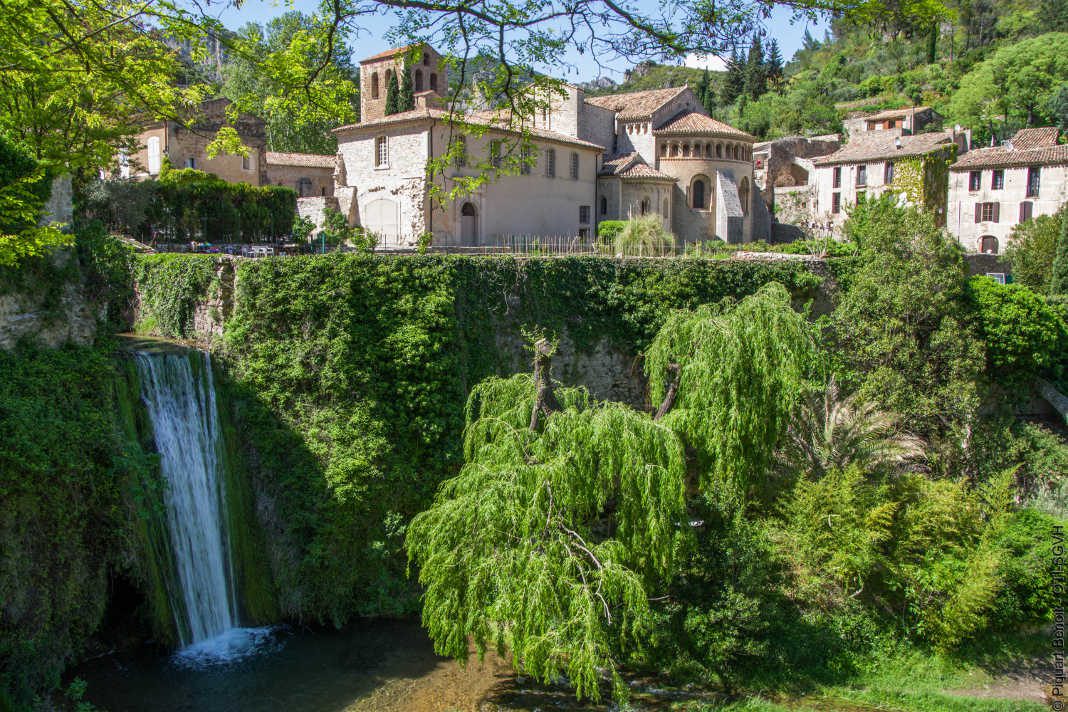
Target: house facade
(914,167)
(895,122)
(311,175)
(991,190)
(586,159)
(184,144)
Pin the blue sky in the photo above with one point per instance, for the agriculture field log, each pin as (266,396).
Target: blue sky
(372,40)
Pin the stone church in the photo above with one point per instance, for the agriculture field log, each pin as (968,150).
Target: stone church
(593,158)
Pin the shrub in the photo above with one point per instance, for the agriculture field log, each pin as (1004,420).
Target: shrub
(608,229)
(1024,336)
(1031,249)
(640,237)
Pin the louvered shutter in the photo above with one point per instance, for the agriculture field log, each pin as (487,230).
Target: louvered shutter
(997,212)
(978,212)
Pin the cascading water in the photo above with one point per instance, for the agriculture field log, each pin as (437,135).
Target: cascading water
(180,400)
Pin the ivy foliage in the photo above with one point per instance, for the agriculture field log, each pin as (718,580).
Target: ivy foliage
(170,286)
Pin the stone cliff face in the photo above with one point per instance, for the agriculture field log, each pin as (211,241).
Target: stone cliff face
(47,313)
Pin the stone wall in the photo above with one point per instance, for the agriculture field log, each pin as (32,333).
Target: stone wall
(49,313)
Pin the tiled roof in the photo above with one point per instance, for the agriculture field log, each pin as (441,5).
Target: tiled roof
(692,123)
(635,104)
(1003,157)
(632,166)
(299,159)
(1043,137)
(874,146)
(390,53)
(490,119)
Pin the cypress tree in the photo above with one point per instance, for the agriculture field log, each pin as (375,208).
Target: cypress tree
(774,63)
(703,88)
(734,82)
(406,99)
(392,95)
(1059,278)
(756,80)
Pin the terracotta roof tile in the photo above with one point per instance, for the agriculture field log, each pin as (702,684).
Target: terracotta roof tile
(635,104)
(693,123)
(1043,137)
(891,113)
(1002,157)
(632,166)
(874,146)
(275,158)
(389,53)
(646,172)
(489,119)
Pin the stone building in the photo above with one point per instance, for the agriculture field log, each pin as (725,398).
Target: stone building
(895,122)
(591,159)
(991,190)
(869,165)
(784,173)
(309,174)
(185,143)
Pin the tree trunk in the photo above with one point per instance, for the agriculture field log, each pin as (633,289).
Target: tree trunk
(544,399)
(672,392)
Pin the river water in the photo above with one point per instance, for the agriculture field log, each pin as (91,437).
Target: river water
(370,665)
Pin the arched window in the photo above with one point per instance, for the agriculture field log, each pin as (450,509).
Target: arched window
(419,80)
(988,245)
(667,207)
(374,85)
(737,152)
(675,150)
(719,150)
(433,82)
(304,187)
(389,78)
(699,193)
(468,224)
(663,149)
(645,206)
(708,150)
(604,205)
(426,59)
(743,195)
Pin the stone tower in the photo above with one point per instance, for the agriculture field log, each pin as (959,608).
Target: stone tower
(429,74)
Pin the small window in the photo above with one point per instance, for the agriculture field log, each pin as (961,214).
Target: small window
(975,180)
(495,153)
(998,277)
(246,163)
(433,82)
(988,245)
(698,194)
(604,205)
(550,163)
(374,85)
(888,173)
(584,233)
(987,212)
(1034,178)
(836,177)
(460,151)
(418,80)
(190,162)
(645,207)
(574,165)
(862,175)
(426,59)
(997,180)
(529,159)
(1027,210)
(836,203)
(584,214)
(381,152)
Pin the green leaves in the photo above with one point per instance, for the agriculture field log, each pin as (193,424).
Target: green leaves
(549,544)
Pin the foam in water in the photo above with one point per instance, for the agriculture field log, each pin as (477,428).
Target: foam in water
(185,423)
(230,646)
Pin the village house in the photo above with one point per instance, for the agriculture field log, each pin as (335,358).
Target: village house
(784,173)
(591,159)
(309,174)
(184,144)
(895,122)
(991,190)
(914,167)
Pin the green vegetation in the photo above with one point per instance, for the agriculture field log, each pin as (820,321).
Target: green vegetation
(24,187)
(188,204)
(1032,248)
(638,237)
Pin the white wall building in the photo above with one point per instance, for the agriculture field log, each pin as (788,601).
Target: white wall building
(991,190)
(592,159)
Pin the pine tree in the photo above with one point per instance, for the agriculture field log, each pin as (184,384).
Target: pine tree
(406,98)
(734,82)
(756,79)
(392,95)
(774,64)
(808,42)
(703,88)
(1059,279)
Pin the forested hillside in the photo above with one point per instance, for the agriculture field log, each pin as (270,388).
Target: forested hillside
(990,66)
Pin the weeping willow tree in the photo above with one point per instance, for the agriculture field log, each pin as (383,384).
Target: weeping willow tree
(549,540)
(568,514)
(734,373)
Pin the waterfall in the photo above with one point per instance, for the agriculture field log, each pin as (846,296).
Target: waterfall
(181,406)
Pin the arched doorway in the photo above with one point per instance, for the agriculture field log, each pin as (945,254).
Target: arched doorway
(988,245)
(468,225)
(382,217)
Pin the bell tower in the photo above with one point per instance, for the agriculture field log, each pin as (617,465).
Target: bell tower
(429,74)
